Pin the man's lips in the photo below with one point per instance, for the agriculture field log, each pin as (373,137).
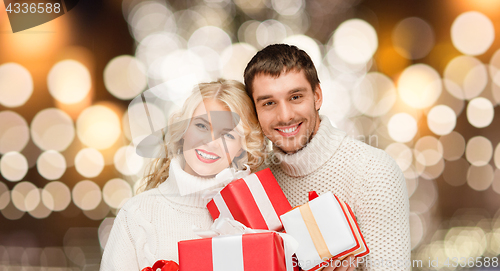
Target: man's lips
(287,131)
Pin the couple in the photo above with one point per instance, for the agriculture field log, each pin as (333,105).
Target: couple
(283,97)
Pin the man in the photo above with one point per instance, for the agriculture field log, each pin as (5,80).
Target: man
(309,154)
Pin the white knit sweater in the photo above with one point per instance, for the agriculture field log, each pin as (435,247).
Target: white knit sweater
(149,225)
(367,178)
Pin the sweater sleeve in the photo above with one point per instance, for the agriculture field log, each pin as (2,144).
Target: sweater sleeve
(383,215)
(119,253)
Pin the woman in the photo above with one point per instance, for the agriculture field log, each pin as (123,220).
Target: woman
(215,130)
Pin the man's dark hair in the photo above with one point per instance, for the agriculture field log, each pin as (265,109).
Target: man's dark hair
(278,58)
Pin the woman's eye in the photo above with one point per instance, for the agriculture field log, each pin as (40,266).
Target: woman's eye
(229,136)
(201,125)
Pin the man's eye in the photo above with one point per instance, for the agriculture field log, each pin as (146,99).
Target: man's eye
(201,126)
(268,103)
(295,97)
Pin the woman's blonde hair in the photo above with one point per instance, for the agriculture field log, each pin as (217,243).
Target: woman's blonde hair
(233,95)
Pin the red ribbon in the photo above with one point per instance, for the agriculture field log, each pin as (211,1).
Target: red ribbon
(163,265)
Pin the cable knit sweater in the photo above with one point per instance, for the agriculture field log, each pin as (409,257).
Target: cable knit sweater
(367,178)
(149,225)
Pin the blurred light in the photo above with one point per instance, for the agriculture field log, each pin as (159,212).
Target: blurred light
(455,172)
(479,151)
(89,162)
(104,231)
(25,196)
(355,41)
(211,37)
(234,60)
(374,95)
(401,153)
(186,63)
(210,58)
(402,127)
(139,129)
(13,166)
(287,7)
(428,151)
(126,160)
(16,85)
(480,112)
(495,68)
(14,132)
(56,196)
(219,13)
(40,211)
(411,185)
(51,165)
(480,178)
(251,7)
(53,257)
(493,238)
(465,242)
(424,197)
(116,192)
(307,44)
(149,17)
(472,33)
(417,230)
(419,86)
(31,257)
(156,46)
(69,81)
(495,184)
(86,195)
(188,21)
(339,66)
(434,171)
(11,212)
(81,246)
(52,129)
(4,195)
(413,38)
(98,127)
(270,32)
(248,33)
(125,77)
(496,156)
(441,120)
(336,102)
(390,62)
(453,146)
(99,212)
(465,77)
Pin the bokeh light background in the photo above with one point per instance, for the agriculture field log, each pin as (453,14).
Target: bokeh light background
(419,79)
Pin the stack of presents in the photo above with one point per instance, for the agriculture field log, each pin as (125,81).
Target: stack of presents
(255,228)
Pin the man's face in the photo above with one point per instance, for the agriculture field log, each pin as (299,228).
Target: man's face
(287,109)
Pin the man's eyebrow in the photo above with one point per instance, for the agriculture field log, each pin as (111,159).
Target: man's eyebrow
(263,97)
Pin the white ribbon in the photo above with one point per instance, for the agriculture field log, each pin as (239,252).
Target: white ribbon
(224,177)
(224,226)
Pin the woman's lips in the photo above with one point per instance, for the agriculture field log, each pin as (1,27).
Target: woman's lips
(205,159)
(289,130)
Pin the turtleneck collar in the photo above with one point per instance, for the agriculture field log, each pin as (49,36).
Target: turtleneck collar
(186,189)
(322,146)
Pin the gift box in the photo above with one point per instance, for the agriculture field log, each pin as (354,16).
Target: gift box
(363,250)
(248,252)
(256,200)
(323,230)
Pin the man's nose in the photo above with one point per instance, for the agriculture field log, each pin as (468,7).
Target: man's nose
(285,112)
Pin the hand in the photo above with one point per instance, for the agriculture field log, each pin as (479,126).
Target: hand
(342,266)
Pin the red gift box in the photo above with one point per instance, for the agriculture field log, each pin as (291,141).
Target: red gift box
(248,252)
(256,200)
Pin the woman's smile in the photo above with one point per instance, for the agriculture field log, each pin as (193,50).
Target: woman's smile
(206,157)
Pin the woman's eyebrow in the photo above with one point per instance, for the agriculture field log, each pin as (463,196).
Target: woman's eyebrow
(202,119)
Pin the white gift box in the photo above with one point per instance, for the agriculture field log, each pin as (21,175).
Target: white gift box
(322,229)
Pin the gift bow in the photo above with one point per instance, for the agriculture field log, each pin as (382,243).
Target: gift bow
(225,226)
(163,265)
(224,177)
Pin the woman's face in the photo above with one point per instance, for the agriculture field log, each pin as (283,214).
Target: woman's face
(210,142)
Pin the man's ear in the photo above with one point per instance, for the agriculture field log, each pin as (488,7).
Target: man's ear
(318,98)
